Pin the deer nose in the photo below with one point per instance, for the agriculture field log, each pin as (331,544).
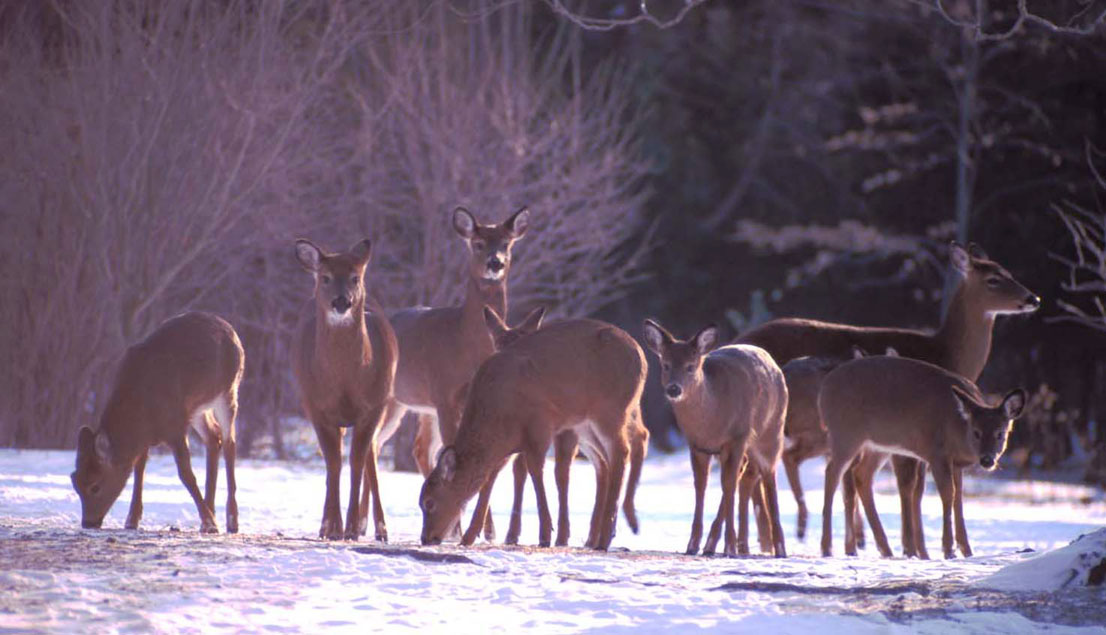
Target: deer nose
(987,461)
(495,265)
(341,304)
(673,391)
(1032,302)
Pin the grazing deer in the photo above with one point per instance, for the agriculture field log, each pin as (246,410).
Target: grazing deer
(185,374)
(344,360)
(911,408)
(729,401)
(441,348)
(565,447)
(580,375)
(961,345)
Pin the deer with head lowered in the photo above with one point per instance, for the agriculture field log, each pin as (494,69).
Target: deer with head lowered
(441,348)
(580,375)
(911,408)
(961,344)
(185,374)
(729,402)
(565,447)
(344,360)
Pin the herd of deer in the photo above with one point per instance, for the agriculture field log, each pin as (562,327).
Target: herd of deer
(789,389)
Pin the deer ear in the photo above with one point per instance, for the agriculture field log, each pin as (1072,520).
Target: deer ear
(362,251)
(1013,403)
(959,257)
(965,403)
(464,223)
(706,339)
(532,322)
(308,255)
(495,324)
(447,463)
(859,352)
(976,252)
(518,223)
(654,337)
(103,447)
(86,439)
(891,352)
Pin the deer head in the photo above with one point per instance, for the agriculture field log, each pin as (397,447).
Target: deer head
(681,361)
(339,279)
(441,498)
(490,245)
(989,426)
(503,335)
(989,282)
(97,480)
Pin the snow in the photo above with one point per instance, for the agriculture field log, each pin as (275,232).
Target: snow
(1061,568)
(277,576)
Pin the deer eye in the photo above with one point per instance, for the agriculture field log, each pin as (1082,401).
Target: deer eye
(95,490)
(666,366)
(353,279)
(978,434)
(326,279)
(994,282)
(429,506)
(689,367)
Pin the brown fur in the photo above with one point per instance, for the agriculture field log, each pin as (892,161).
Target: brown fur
(961,345)
(345,374)
(165,383)
(582,375)
(919,410)
(731,402)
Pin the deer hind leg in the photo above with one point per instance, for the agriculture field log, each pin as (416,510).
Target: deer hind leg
(372,486)
(227,413)
(863,472)
(958,509)
(772,506)
(183,459)
(602,485)
(916,502)
(715,531)
(213,442)
(135,513)
(535,463)
(763,518)
(639,447)
(835,467)
(792,457)
(700,469)
(942,475)
(617,451)
(514,528)
(565,446)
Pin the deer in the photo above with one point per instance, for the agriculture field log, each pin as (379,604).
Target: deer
(961,344)
(184,375)
(566,445)
(731,402)
(441,348)
(582,375)
(912,408)
(344,360)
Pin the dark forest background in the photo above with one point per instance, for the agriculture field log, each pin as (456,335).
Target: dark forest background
(747,159)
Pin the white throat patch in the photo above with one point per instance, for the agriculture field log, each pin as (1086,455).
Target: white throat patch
(333,318)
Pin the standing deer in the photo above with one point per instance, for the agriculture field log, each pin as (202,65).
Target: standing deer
(185,374)
(961,345)
(580,375)
(441,348)
(344,360)
(729,401)
(911,408)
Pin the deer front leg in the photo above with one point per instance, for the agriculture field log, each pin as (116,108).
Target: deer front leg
(330,444)
(958,508)
(535,462)
(905,475)
(359,449)
(700,468)
(835,468)
(183,459)
(747,480)
(480,514)
(213,442)
(514,528)
(565,446)
(942,475)
(771,501)
(863,473)
(135,513)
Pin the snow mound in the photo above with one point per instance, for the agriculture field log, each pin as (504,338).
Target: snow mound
(1082,563)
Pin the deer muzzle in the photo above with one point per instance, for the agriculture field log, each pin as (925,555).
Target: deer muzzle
(341,304)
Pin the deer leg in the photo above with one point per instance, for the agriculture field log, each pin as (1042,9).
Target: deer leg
(565,445)
(863,473)
(614,467)
(958,508)
(638,449)
(135,513)
(535,463)
(918,526)
(602,485)
(481,512)
(519,472)
(942,475)
(792,458)
(359,448)
(905,474)
(700,469)
(230,454)
(744,479)
(372,485)
(213,442)
(183,459)
(715,532)
(772,503)
(330,444)
(764,519)
(835,467)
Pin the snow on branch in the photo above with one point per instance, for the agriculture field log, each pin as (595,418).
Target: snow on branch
(607,24)
(1085,21)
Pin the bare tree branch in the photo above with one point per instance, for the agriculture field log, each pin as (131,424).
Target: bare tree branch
(1025,16)
(607,24)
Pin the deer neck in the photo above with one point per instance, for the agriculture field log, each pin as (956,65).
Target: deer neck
(481,293)
(695,409)
(125,447)
(342,339)
(964,338)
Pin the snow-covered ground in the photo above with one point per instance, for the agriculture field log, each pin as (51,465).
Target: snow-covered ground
(277,576)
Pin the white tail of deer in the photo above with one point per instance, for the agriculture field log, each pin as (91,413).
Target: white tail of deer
(729,401)
(579,375)
(961,345)
(911,408)
(344,360)
(186,373)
